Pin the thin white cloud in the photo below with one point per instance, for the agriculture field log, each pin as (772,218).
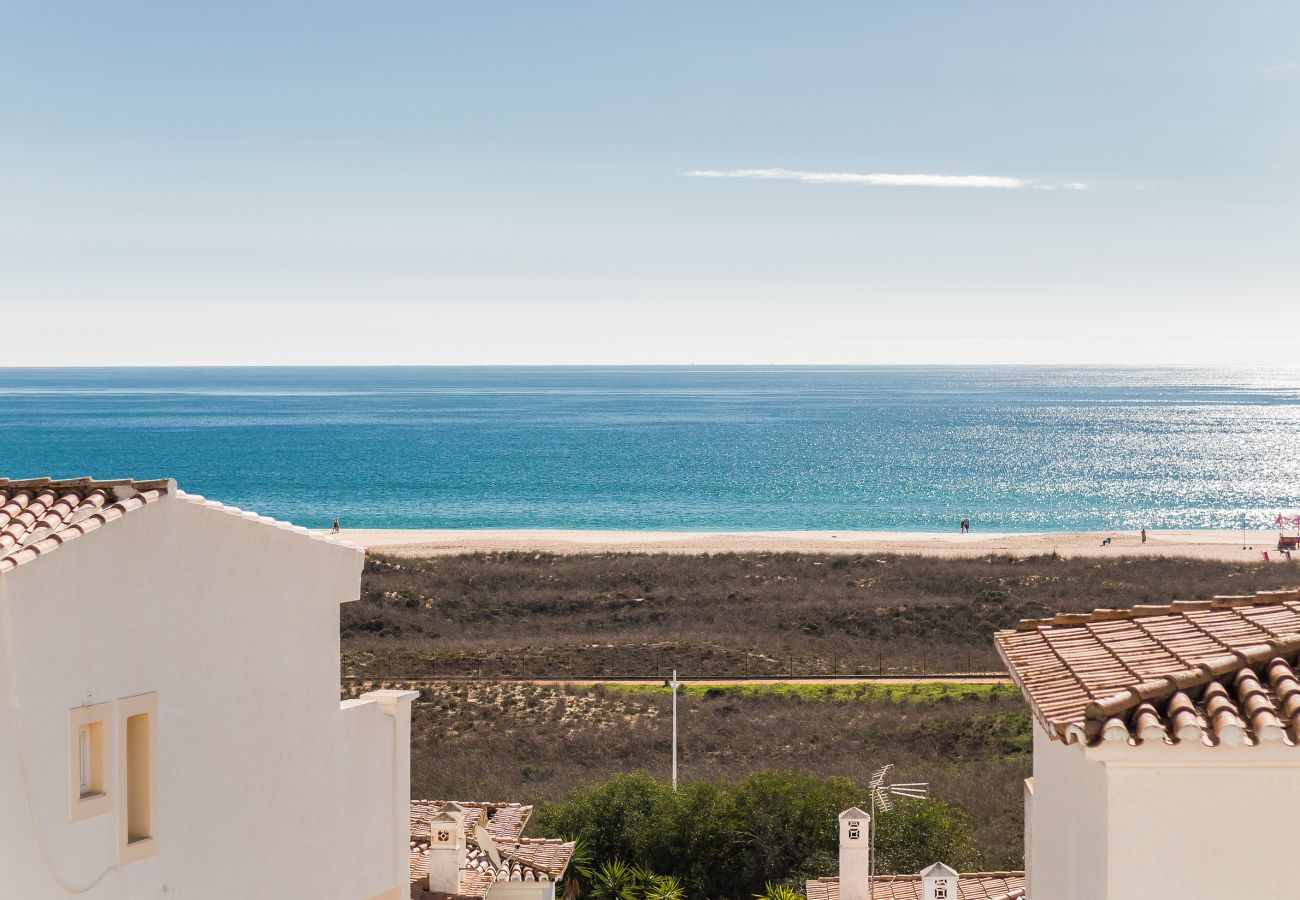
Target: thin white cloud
(1067,186)
(882,179)
(1290,67)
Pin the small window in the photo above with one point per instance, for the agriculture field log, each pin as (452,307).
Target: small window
(83,753)
(137,767)
(138,787)
(941,891)
(88,761)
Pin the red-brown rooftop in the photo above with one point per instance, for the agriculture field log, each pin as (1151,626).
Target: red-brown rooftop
(970,886)
(39,514)
(1219,671)
(521,858)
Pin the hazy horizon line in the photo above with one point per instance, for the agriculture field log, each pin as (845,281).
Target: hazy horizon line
(666,365)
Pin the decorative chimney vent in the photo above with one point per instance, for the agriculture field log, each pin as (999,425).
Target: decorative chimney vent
(939,882)
(855,855)
(446,848)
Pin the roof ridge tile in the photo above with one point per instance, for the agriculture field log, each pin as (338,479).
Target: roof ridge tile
(1144,610)
(1086,675)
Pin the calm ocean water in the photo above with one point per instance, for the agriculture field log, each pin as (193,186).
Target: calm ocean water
(681,448)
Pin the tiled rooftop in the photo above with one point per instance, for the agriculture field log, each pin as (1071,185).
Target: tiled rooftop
(39,514)
(1217,672)
(970,886)
(522,859)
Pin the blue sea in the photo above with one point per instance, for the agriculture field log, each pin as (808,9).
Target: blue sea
(742,448)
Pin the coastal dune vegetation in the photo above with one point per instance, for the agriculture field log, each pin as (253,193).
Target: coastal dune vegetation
(771,614)
(448,626)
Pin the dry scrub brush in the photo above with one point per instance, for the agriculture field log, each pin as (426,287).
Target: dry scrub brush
(498,742)
(734,614)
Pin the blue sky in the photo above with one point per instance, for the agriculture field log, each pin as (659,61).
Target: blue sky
(425,182)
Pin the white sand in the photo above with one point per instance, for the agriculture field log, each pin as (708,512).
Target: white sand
(1220,545)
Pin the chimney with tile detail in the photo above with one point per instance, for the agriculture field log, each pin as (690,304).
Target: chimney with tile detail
(446,848)
(938,882)
(855,855)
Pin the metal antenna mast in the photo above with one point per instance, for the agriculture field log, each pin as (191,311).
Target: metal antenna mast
(882,795)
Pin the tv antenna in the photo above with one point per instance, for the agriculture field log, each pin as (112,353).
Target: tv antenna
(882,799)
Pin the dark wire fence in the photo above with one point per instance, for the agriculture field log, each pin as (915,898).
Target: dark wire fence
(660,663)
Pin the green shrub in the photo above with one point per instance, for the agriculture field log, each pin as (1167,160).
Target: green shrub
(913,835)
(614,880)
(664,887)
(771,828)
(779,892)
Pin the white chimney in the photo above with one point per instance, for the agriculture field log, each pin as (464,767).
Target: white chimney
(446,848)
(855,855)
(938,883)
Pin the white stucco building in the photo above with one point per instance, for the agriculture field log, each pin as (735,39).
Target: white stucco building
(1166,757)
(170,725)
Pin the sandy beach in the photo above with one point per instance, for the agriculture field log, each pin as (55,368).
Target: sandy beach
(1218,545)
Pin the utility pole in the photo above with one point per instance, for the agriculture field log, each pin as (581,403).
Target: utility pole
(674,684)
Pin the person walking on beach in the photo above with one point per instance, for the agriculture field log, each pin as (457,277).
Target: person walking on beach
(1144,535)
(965,526)
(335,529)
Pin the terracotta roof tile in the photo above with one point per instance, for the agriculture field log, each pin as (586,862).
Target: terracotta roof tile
(38,515)
(522,859)
(504,821)
(1218,671)
(970,886)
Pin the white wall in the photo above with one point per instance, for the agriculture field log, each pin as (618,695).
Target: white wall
(1069,816)
(1180,821)
(234,623)
(1224,820)
(375,812)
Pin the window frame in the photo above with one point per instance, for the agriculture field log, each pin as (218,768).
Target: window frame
(97,720)
(129,850)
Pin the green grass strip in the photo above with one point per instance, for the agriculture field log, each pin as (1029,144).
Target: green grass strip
(930,692)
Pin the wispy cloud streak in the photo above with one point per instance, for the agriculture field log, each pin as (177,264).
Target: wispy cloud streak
(883,179)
